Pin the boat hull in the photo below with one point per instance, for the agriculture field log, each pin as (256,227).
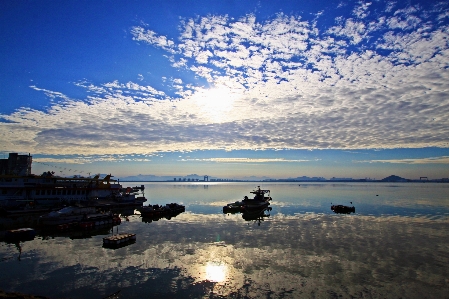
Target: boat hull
(340,209)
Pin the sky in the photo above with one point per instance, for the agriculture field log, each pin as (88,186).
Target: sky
(231,89)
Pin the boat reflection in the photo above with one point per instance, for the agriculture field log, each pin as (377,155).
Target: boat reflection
(74,234)
(149,219)
(341,209)
(256,215)
(251,214)
(18,245)
(18,237)
(155,212)
(9,223)
(124,211)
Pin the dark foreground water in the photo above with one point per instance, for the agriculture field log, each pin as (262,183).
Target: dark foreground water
(396,245)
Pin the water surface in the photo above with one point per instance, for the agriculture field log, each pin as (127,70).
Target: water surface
(396,245)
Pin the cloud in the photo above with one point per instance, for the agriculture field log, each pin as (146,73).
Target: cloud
(91,159)
(431,160)
(361,11)
(377,79)
(243,160)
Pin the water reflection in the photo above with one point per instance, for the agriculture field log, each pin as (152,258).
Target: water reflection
(216,271)
(293,255)
(152,213)
(74,234)
(256,215)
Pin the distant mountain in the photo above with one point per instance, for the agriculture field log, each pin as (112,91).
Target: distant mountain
(253,178)
(195,177)
(393,178)
(190,177)
(306,178)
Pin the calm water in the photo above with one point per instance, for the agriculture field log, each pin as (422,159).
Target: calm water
(396,245)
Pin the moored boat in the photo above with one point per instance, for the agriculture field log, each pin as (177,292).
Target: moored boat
(73,214)
(119,240)
(261,199)
(341,209)
(233,208)
(20,188)
(157,210)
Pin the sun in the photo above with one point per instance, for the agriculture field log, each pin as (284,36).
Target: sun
(215,104)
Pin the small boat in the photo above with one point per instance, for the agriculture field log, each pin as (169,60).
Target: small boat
(175,208)
(119,240)
(233,208)
(150,211)
(72,214)
(341,209)
(157,210)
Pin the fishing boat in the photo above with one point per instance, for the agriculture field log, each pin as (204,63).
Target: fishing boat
(20,188)
(261,199)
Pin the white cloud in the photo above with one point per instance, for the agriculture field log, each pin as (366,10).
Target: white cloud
(389,6)
(287,84)
(243,160)
(431,160)
(88,160)
(149,36)
(361,11)
(51,94)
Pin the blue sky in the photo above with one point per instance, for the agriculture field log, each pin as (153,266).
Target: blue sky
(227,88)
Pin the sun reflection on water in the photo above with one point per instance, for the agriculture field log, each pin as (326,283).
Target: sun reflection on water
(216,271)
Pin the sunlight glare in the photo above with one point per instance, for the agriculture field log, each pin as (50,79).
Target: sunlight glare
(216,272)
(215,103)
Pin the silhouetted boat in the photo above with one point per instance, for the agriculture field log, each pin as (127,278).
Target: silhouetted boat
(161,211)
(259,201)
(341,209)
(233,208)
(21,189)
